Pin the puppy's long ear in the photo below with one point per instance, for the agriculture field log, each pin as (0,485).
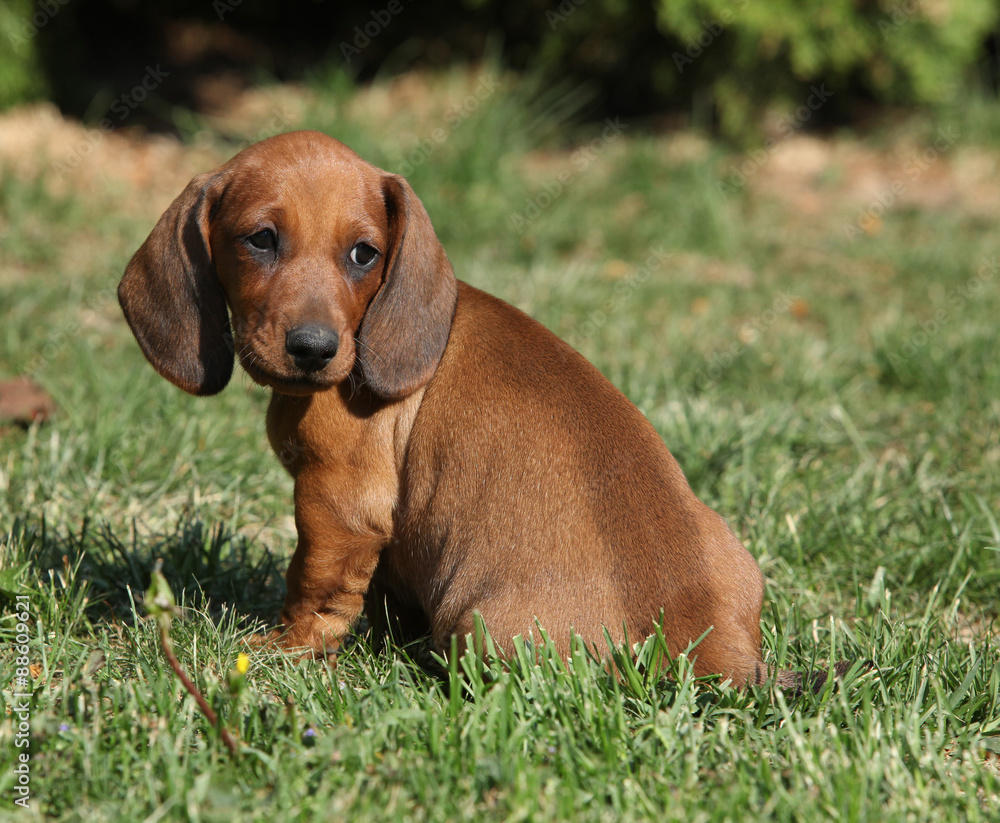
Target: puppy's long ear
(405,330)
(173,300)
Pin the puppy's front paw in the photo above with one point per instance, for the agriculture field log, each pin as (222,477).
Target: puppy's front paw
(260,640)
(290,641)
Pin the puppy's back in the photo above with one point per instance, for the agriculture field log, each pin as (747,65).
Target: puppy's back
(533,489)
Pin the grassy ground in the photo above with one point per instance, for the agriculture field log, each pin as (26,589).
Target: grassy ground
(812,330)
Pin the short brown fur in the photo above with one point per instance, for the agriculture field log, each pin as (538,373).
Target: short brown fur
(453,457)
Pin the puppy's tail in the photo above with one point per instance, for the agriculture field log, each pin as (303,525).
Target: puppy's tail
(797,683)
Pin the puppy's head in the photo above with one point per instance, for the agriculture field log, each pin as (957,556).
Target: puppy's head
(326,264)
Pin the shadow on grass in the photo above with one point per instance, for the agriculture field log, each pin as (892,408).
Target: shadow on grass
(207,566)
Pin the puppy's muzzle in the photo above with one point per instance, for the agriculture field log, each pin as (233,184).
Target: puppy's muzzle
(312,347)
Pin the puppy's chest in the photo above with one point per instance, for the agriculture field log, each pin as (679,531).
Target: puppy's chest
(314,431)
(324,435)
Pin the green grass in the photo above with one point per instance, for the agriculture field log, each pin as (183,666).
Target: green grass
(855,457)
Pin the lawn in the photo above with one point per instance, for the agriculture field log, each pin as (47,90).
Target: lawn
(812,328)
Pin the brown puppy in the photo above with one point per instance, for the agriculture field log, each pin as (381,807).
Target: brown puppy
(450,455)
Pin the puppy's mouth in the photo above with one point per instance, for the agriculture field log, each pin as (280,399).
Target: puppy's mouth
(288,382)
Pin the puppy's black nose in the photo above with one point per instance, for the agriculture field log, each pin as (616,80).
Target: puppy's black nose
(311,347)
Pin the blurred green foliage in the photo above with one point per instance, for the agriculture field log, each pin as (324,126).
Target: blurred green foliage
(21,77)
(732,59)
(748,54)
(725,65)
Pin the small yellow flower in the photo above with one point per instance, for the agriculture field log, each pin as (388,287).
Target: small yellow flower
(242,663)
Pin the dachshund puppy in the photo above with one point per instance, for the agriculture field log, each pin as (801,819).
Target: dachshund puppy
(451,456)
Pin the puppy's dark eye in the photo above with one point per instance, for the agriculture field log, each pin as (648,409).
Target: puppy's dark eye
(263,240)
(363,255)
